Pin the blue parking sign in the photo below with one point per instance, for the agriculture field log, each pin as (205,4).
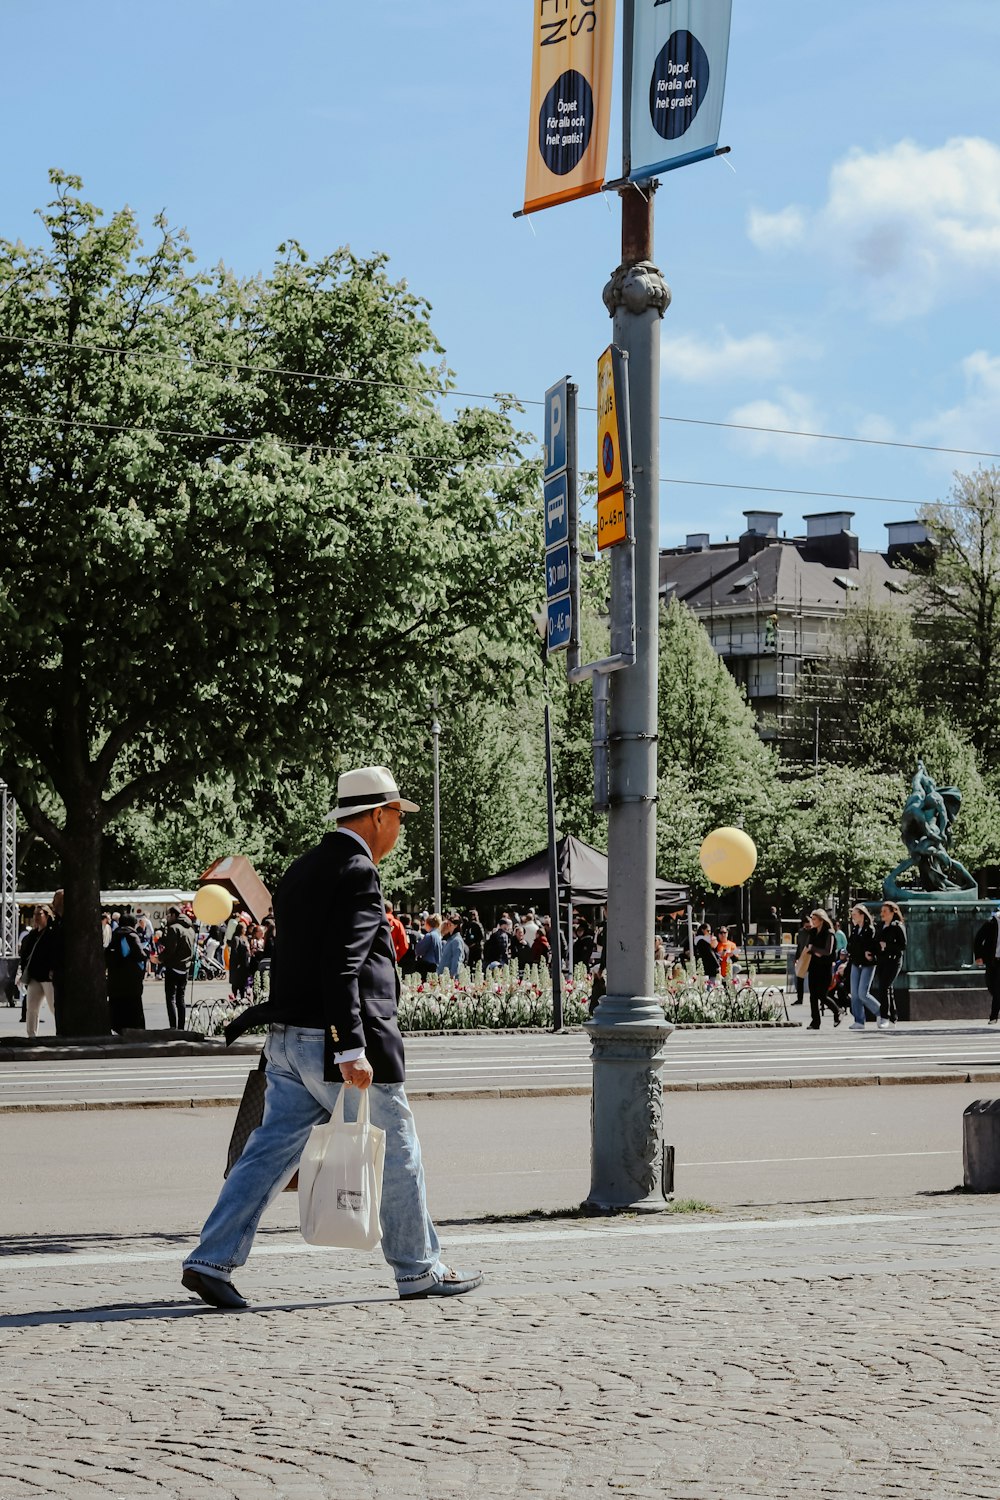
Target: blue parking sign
(556,511)
(557,571)
(560,624)
(556,426)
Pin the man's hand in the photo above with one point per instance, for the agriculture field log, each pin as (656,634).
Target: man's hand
(357,1075)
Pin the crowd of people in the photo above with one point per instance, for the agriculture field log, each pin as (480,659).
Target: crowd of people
(851,965)
(428,943)
(136,950)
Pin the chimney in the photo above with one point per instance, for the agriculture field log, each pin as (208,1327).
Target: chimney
(909,541)
(697,541)
(761,531)
(830,540)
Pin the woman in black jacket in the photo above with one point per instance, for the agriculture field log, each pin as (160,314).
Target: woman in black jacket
(862,951)
(890,945)
(36,958)
(704,952)
(821,945)
(802,940)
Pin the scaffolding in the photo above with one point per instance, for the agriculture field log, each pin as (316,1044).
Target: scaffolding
(8,874)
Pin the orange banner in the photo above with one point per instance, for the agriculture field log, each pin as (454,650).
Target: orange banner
(570,100)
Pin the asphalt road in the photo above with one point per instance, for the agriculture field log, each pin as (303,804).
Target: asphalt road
(157,1171)
(455,1064)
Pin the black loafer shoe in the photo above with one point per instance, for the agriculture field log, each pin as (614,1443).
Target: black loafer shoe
(214,1291)
(451,1284)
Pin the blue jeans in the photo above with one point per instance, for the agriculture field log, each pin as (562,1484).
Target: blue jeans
(861,1000)
(297,1098)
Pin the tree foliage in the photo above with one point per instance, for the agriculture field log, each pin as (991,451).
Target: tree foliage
(713,768)
(958,599)
(838,834)
(238,526)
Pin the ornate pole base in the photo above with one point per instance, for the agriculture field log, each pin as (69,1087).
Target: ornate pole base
(628,1154)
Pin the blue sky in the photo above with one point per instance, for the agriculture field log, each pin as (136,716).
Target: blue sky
(837,273)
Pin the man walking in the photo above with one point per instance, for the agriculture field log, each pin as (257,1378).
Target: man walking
(175,962)
(986,951)
(331,1025)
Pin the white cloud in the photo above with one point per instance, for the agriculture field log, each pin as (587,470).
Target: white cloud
(919,225)
(792,412)
(760,355)
(777,231)
(973,422)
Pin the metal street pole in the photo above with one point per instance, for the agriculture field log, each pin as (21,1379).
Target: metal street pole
(436,737)
(555,938)
(8,874)
(629,1166)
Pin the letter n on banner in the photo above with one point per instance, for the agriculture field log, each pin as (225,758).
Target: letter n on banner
(570,100)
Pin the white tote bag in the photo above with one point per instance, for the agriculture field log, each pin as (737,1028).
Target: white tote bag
(340,1180)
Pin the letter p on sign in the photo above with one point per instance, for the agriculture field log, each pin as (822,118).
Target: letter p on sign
(555,428)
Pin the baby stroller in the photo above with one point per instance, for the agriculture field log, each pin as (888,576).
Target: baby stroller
(207,965)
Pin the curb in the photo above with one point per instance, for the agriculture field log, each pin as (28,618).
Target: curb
(51,1051)
(555,1091)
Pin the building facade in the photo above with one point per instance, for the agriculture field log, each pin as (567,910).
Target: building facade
(770,602)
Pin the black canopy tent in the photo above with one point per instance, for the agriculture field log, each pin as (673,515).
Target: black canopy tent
(583,879)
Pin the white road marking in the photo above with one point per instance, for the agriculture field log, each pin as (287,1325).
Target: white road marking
(738,1161)
(607,1230)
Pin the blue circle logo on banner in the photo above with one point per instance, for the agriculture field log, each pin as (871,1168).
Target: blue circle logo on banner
(679,84)
(566,122)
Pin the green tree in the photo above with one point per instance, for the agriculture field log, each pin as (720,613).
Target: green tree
(958,601)
(237,524)
(573,716)
(868,692)
(839,832)
(713,768)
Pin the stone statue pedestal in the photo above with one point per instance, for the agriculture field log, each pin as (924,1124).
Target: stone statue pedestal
(939,980)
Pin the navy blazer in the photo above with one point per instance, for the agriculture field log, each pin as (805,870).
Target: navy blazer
(334,966)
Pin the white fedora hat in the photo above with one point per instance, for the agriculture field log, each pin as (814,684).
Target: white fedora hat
(360,791)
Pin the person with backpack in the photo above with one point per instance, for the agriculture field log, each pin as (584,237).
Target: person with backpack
(176,954)
(126,957)
(497,951)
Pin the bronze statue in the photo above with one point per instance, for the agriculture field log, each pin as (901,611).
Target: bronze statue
(926,827)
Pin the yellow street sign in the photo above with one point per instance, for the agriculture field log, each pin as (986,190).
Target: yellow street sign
(612,525)
(610,475)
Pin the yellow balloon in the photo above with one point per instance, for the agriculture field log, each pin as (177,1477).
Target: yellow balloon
(213,903)
(728,856)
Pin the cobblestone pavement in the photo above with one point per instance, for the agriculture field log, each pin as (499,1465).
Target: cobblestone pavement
(845,1353)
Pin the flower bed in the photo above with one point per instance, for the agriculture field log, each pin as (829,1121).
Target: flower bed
(504,1000)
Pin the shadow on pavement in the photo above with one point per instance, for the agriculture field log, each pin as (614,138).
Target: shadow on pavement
(14,1245)
(142,1312)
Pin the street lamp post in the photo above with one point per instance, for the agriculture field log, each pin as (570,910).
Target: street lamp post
(542,626)
(629,1163)
(436,737)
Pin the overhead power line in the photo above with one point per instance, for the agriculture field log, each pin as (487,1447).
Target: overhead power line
(771,489)
(437,389)
(239,440)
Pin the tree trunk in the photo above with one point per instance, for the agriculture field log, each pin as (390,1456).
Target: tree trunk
(81,984)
